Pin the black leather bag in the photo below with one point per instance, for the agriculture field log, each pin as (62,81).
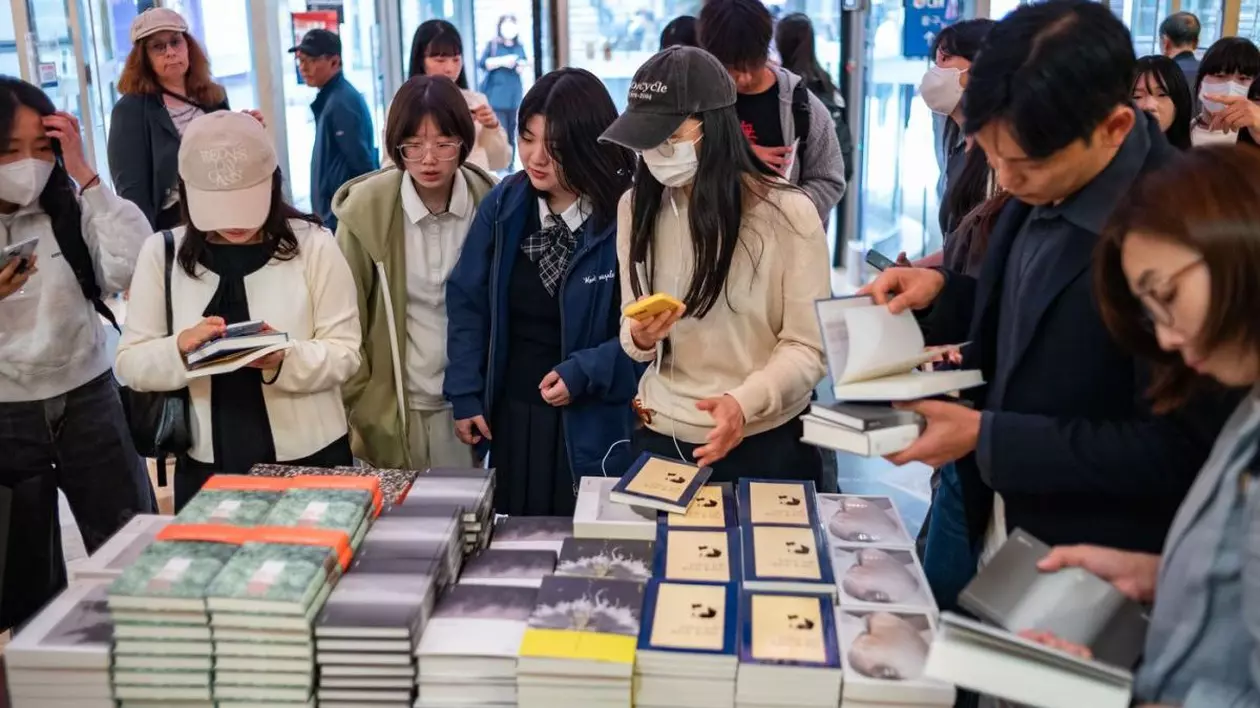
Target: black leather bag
(159,420)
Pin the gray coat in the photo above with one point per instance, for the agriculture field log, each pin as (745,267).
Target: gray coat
(144,151)
(1202,649)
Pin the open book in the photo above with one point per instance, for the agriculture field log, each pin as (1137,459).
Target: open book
(242,344)
(873,354)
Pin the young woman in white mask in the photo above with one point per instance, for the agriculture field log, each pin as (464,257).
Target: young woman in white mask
(1225,77)
(61,421)
(710,224)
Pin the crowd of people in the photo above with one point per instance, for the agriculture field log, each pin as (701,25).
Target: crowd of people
(1101,259)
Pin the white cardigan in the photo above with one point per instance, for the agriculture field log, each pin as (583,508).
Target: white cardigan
(311,297)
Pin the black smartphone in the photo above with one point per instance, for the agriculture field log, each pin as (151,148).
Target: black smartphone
(879,261)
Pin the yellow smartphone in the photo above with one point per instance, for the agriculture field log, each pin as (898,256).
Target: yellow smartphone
(651,306)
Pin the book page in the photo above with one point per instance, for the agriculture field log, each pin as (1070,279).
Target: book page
(835,329)
(880,344)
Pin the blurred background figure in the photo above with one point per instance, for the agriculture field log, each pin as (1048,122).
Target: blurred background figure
(504,60)
(680,30)
(1160,89)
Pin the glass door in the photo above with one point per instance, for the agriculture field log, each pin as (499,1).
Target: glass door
(478,24)
(53,65)
(222,28)
(360,51)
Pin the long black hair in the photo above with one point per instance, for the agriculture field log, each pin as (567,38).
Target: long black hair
(578,109)
(436,38)
(724,179)
(971,186)
(58,200)
(794,37)
(1169,78)
(275,230)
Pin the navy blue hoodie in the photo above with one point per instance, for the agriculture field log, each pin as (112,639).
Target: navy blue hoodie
(344,147)
(601,379)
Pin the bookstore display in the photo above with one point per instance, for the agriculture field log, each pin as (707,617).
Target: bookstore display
(401,589)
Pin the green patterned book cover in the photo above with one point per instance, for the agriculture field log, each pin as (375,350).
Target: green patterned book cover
(333,509)
(225,506)
(170,575)
(278,578)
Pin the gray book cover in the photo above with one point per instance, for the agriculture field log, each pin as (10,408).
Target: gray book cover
(1073,604)
(379,601)
(500,564)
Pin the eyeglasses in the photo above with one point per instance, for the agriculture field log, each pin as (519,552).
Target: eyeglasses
(159,46)
(1157,304)
(444,151)
(692,136)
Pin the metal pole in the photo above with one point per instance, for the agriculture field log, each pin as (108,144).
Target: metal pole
(855,107)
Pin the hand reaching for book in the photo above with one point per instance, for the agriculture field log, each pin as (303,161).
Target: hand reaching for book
(728,429)
(1134,574)
(200,333)
(905,288)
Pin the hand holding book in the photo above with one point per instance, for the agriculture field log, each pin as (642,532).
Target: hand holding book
(951,431)
(904,289)
(207,330)
(1134,574)
(272,360)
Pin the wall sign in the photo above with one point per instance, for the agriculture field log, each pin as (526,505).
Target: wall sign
(924,19)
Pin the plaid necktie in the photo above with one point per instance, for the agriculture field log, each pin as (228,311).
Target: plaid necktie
(551,249)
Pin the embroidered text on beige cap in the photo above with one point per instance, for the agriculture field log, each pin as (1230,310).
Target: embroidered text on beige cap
(154,20)
(227,162)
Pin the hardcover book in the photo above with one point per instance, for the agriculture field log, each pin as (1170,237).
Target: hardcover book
(863,521)
(71,632)
(598,516)
(170,575)
(600,558)
(377,606)
(478,621)
(689,617)
(777,503)
(532,532)
(793,629)
(272,578)
(393,483)
(713,508)
(500,567)
(884,656)
(224,506)
(584,619)
(660,483)
(709,556)
(882,578)
(334,509)
(472,489)
(122,549)
(786,558)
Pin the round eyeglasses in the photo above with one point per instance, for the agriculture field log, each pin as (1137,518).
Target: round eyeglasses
(444,151)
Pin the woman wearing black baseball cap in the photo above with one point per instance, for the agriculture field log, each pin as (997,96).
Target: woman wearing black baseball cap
(747,257)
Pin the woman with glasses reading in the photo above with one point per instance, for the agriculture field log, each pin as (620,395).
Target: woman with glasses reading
(402,230)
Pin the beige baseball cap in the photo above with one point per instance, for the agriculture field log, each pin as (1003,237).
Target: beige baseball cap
(227,161)
(154,20)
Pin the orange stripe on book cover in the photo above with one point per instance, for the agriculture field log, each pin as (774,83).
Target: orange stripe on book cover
(371,484)
(338,541)
(243,483)
(212,533)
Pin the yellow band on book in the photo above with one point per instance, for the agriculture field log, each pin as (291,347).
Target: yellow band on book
(583,646)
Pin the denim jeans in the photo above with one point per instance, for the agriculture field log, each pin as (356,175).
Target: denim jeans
(77,442)
(949,559)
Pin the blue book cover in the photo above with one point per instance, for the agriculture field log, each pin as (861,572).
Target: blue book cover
(660,483)
(691,618)
(778,502)
(786,554)
(713,508)
(697,555)
(788,628)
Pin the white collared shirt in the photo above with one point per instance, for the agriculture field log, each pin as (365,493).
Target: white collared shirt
(576,215)
(432,246)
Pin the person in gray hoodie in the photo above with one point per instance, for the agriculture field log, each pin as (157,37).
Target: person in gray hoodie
(789,128)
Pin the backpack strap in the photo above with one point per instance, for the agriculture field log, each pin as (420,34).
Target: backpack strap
(76,254)
(169,241)
(801,111)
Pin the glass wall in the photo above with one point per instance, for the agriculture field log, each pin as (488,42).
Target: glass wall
(55,67)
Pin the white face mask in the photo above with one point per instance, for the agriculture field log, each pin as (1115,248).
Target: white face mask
(1229,88)
(674,170)
(508,30)
(942,89)
(23,181)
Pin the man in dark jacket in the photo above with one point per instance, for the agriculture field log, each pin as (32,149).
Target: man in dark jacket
(344,143)
(1061,441)
(1179,39)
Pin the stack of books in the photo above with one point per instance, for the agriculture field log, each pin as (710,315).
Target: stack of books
(121,550)
(61,658)
(470,650)
(428,537)
(496,566)
(438,490)
(533,533)
(599,558)
(368,631)
(788,651)
(697,555)
(784,546)
(579,645)
(344,505)
(852,520)
(394,484)
(262,607)
(597,516)
(162,637)
(687,646)
(884,654)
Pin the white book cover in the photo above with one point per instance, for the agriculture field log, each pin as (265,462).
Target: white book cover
(122,549)
(597,516)
(852,520)
(71,632)
(884,655)
(863,443)
(881,578)
(479,620)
